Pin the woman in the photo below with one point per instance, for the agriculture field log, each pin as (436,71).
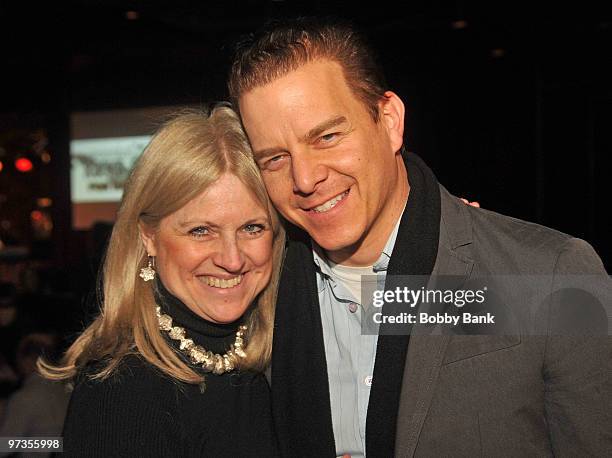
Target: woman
(173,364)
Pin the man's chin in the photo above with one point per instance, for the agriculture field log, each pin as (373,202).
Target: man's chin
(344,246)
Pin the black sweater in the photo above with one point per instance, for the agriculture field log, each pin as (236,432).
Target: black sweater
(140,412)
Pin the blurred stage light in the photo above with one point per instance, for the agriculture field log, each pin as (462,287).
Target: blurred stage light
(44,202)
(1,166)
(132,15)
(45,157)
(42,224)
(23,164)
(459,24)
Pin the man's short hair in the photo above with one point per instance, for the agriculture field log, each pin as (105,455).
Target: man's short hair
(281,47)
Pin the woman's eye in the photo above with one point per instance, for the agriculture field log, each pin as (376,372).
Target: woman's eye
(253,228)
(199,231)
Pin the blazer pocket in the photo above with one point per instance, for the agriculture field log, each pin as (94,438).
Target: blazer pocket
(464,347)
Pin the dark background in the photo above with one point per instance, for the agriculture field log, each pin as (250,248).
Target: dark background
(510,104)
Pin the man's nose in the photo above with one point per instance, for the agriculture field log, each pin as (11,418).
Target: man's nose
(229,255)
(307,174)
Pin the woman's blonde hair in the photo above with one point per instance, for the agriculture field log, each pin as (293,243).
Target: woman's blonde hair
(187,154)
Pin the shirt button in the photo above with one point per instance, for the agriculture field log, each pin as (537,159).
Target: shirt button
(368,380)
(352,307)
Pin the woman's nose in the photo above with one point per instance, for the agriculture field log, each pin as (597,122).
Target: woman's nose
(229,255)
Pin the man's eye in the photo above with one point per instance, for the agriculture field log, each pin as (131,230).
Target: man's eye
(327,140)
(254,228)
(275,162)
(199,231)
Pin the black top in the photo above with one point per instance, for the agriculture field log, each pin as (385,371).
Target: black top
(139,411)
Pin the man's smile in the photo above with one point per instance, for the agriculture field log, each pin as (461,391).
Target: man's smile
(331,203)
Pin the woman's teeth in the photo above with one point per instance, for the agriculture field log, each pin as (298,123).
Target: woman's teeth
(331,203)
(223,283)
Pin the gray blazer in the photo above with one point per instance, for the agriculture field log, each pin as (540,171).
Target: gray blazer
(516,394)
(512,395)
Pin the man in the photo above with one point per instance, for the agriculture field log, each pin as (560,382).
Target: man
(328,138)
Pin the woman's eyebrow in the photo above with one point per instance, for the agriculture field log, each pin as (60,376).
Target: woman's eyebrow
(197,222)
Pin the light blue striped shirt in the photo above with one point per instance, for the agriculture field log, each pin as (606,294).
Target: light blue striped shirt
(350,355)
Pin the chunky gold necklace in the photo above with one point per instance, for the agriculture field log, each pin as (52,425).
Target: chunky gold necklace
(198,355)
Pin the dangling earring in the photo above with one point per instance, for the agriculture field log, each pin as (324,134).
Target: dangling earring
(148,273)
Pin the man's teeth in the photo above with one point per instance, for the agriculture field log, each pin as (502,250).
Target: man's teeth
(223,283)
(331,203)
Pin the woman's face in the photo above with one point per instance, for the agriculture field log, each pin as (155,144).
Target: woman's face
(215,253)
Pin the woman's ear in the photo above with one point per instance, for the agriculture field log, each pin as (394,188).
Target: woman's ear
(392,115)
(148,239)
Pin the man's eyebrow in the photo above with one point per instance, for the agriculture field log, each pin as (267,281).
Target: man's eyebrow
(322,127)
(310,135)
(267,152)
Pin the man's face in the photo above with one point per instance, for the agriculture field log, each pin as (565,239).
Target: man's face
(328,167)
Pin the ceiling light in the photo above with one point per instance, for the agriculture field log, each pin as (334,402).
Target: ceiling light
(459,24)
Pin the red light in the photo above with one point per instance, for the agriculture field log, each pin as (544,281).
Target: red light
(1,166)
(23,164)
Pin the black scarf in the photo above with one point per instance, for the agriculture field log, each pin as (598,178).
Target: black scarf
(300,388)
(415,251)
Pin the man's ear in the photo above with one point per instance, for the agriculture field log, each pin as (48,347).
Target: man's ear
(392,116)
(148,239)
